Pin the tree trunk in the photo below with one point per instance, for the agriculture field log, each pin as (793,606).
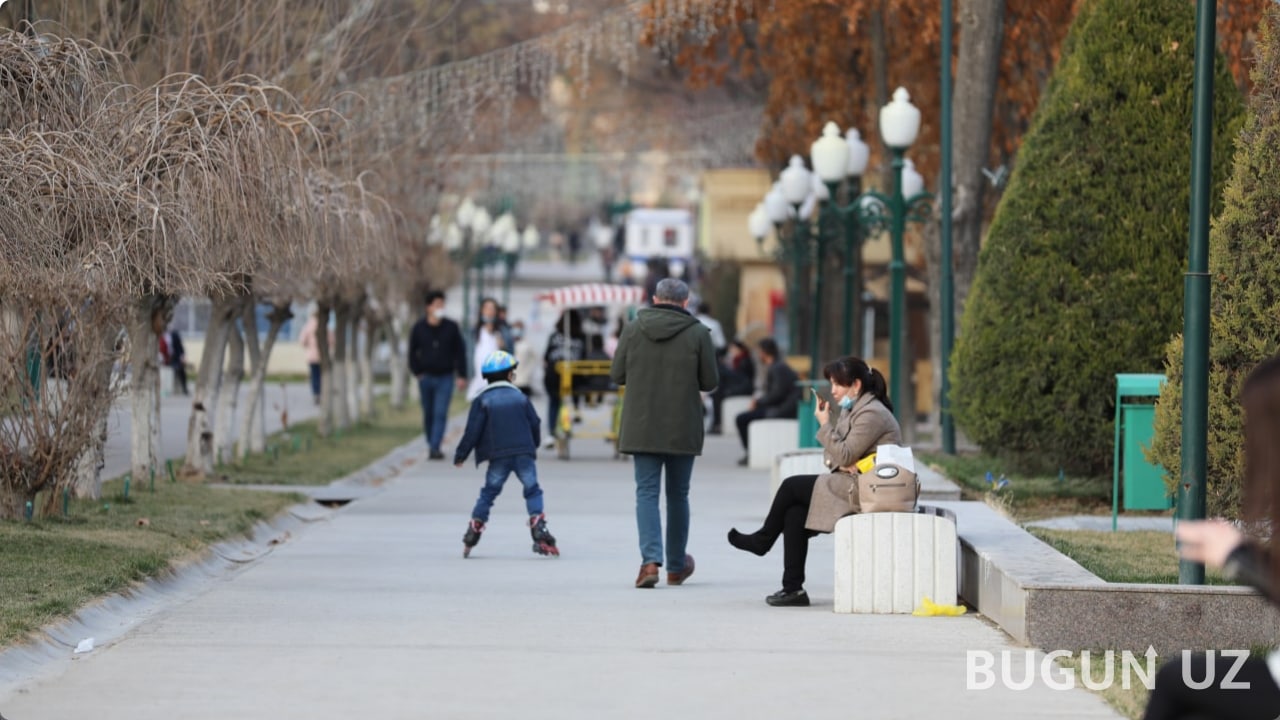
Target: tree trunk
(982,23)
(200,448)
(325,422)
(981,31)
(342,410)
(229,399)
(354,378)
(88,467)
(253,436)
(366,368)
(144,387)
(396,329)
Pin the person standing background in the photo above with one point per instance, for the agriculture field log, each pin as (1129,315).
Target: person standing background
(437,352)
(311,346)
(178,361)
(665,361)
(489,337)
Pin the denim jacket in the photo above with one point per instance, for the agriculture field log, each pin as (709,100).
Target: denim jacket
(502,423)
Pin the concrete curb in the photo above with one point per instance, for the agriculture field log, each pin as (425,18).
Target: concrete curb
(109,618)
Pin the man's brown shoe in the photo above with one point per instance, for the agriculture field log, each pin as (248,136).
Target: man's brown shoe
(648,575)
(678,578)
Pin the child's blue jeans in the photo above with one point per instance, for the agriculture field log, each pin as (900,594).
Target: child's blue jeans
(496,476)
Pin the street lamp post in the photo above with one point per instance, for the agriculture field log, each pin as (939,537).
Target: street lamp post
(480,226)
(899,126)
(461,251)
(834,158)
(796,184)
(778,211)
(511,256)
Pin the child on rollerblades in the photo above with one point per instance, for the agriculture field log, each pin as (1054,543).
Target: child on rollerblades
(504,429)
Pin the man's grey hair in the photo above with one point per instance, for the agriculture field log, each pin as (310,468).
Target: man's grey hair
(671,290)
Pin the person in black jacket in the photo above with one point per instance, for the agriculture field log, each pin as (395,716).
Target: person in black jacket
(781,397)
(437,353)
(1220,544)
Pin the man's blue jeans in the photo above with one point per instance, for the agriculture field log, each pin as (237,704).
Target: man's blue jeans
(435,392)
(648,469)
(496,476)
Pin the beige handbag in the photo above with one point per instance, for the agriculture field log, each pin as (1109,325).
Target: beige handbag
(888,487)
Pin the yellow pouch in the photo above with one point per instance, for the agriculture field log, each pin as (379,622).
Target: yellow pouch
(866,463)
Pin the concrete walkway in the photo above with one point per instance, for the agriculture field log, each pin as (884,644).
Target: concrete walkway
(374,613)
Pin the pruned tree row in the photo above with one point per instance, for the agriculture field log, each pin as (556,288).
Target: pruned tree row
(117,200)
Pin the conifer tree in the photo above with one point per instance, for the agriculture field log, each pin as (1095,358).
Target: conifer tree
(1244,269)
(1081,275)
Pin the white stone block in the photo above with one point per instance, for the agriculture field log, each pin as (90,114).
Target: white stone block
(889,562)
(798,462)
(770,437)
(166,381)
(730,409)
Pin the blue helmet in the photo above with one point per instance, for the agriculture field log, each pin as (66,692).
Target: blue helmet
(499,361)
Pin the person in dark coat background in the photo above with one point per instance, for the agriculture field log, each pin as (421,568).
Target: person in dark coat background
(781,397)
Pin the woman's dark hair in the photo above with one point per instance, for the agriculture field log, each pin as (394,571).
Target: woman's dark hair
(847,369)
(480,316)
(1260,400)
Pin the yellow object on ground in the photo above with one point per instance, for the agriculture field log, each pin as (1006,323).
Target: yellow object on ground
(929,608)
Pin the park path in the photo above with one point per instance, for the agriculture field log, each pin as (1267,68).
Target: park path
(371,612)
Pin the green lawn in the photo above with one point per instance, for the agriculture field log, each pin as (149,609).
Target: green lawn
(51,567)
(1128,557)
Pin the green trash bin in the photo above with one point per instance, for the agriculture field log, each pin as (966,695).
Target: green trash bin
(804,412)
(1144,487)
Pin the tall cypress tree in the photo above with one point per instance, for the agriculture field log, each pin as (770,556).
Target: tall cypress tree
(1244,269)
(1081,274)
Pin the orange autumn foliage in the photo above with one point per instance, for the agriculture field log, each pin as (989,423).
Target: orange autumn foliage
(816,59)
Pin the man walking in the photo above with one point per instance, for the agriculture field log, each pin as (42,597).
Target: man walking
(665,360)
(437,353)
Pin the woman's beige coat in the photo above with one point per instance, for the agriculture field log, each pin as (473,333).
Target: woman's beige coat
(854,435)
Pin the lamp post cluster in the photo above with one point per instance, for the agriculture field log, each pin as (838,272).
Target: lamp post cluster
(476,241)
(800,193)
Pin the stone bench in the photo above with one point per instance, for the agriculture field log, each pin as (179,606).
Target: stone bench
(796,462)
(767,438)
(808,461)
(888,562)
(730,409)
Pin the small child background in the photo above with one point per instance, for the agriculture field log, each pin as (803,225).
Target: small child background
(504,429)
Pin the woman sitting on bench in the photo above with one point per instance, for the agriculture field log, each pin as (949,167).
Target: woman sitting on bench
(806,505)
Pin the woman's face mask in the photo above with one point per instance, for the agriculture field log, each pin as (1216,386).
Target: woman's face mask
(846,402)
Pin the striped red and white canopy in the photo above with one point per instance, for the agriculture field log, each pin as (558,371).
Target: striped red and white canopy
(593,294)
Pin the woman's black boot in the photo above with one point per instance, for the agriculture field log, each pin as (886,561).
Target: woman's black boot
(755,543)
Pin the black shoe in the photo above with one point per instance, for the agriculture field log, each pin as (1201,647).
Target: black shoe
(753,543)
(782,598)
(744,461)
(437,455)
